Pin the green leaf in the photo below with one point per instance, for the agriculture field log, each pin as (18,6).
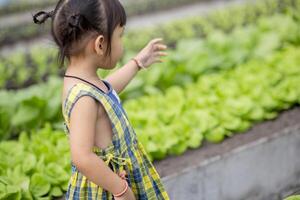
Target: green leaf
(29,162)
(56,191)
(256,114)
(195,139)
(55,174)
(178,149)
(215,135)
(39,186)
(24,115)
(26,195)
(65,185)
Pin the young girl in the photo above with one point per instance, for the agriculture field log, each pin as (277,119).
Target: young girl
(108,162)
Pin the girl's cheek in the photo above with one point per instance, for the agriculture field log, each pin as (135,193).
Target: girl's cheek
(121,51)
(118,51)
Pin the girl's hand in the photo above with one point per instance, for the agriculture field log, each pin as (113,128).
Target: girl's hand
(151,53)
(122,174)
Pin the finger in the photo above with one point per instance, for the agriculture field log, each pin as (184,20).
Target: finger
(155,40)
(159,60)
(161,53)
(122,172)
(160,47)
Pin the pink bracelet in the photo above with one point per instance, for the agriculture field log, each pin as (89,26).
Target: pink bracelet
(121,193)
(137,63)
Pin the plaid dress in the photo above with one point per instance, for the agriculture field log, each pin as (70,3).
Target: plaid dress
(125,152)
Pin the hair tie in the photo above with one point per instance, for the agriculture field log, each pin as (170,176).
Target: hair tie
(51,13)
(74,20)
(46,16)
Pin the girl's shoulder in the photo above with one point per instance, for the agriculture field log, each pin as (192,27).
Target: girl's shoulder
(77,91)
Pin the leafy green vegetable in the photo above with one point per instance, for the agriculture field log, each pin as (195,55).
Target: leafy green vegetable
(29,168)
(294,197)
(217,105)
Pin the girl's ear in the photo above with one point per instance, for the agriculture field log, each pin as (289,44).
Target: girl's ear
(99,45)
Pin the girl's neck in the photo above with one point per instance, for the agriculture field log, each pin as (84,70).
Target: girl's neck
(82,70)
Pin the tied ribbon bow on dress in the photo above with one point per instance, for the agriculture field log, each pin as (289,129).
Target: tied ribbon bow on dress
(119,160)
(108,158)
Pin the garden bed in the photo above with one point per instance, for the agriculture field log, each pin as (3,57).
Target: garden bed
(247,166)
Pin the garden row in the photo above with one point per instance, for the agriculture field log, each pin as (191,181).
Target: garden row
(190,59)
(17,6)
(29,108)
(132,7)
(218,51)
(22,69)
(217,106)
(29,30)
(195,27)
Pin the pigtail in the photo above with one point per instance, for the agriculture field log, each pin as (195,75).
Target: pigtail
(45,16)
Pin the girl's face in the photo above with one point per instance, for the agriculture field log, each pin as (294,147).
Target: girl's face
(117,45)
(116,49)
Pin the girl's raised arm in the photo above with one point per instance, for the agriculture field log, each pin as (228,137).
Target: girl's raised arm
(146,57)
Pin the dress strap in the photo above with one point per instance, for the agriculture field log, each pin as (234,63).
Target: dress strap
(79,90)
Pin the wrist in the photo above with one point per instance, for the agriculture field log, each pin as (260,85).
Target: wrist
(123,190)
(138,63)
(118,185)
(135,66)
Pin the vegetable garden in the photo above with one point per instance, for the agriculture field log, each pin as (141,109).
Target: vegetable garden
(222,76)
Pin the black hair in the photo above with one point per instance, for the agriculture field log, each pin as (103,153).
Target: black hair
(74,20)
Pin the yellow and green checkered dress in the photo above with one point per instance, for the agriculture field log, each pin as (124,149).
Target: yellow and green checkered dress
(124,153)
